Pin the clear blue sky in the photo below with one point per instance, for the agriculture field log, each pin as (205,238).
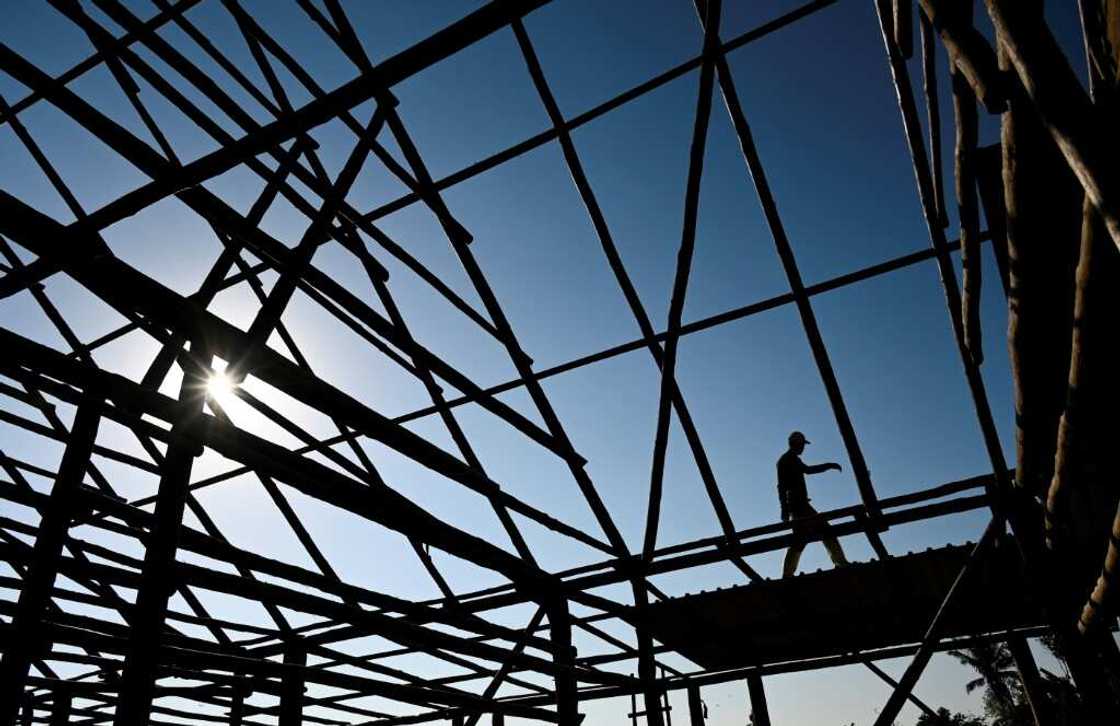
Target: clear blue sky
(825,119)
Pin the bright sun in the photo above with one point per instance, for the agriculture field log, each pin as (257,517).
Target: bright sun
(220,387)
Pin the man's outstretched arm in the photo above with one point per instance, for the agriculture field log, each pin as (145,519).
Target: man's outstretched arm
(821,468)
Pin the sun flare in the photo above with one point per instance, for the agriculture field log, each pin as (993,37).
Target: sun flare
(220,387)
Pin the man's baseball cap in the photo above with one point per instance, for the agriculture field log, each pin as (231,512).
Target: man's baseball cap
(798,436)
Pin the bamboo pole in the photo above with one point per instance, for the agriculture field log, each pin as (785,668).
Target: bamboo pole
(964,113)
(1078,130)
(968,51)
(1087,424)
(1043,215)
(933,115)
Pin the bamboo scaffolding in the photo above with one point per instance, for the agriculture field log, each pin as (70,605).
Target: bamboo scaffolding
(119,654)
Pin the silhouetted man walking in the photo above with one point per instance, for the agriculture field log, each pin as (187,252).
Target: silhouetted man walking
(795,503)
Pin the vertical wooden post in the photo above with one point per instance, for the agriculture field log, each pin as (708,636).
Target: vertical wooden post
(157,579)
(1032,681)
(498,719)
(60,709)
(567,697)
(291,696)
(28,632)
(647,673)
(760,714)
(28,710)
(237,707)
(695,707)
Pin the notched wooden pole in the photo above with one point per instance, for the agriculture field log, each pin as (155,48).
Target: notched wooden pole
(964,112)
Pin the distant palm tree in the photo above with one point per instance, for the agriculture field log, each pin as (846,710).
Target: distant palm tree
(944,718)
(1060,690)
(996,673)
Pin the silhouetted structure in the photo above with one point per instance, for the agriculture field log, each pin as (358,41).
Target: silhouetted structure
(1048,192)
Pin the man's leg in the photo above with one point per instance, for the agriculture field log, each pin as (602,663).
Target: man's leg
(793,557)
(835,551)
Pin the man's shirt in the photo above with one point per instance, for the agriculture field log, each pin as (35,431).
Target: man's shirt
(791,481)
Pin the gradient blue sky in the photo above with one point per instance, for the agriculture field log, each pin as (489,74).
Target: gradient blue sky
(825,119)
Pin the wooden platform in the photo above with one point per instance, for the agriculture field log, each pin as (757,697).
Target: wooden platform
(864,606)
